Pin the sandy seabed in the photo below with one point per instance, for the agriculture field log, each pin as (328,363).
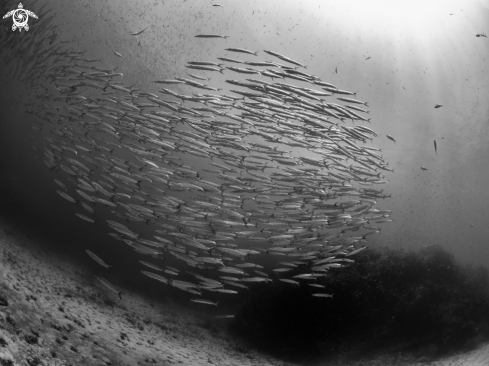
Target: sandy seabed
(51,314)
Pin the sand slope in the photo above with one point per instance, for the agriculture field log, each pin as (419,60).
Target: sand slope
(58,315)
(53,313)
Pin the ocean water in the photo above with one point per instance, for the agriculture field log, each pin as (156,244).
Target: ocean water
(420,67)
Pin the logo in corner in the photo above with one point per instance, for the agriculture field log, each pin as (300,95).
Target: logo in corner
(20,16)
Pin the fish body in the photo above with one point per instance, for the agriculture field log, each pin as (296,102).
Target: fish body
(323,295)
(66,196)
(289,281)
(138,33)
(353,252)
(226,291)
(284,58)
(198,77)
(169,82)
(230,60)
(98,260)
(243,71)
(62,185)
(156,277)
(86,218)
(434,142)
(391,138)
(108,285)
(350,100)
(210,36)
(203,301)
(242,50)
(204,68)
(151,265)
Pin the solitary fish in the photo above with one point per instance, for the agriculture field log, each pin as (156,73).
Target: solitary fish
(207,302)
(352,100)
(151,265)
(284,58)
(86,218)
(98,260)
(205,68)
(438,105)
(118,54)
(64,195)
(137,33)
(436,152)
(107,284)
(423,168)
(323,295)
(60,184)
(169,82)
(210,36)
(230,60)
(198,77)
(241,50)
(391,138)
(289,281)
(356,251)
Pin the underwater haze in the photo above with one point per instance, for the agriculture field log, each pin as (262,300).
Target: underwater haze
(260,158)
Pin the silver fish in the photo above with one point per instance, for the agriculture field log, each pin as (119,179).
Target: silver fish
(108,285)
(98,260)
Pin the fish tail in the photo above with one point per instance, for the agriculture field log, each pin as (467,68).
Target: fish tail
(255,53)
(221,71)
(366,104)
(108,268)
(120,293)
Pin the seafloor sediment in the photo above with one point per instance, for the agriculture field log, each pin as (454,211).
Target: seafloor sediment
(50,314)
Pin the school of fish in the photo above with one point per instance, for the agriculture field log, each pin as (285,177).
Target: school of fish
(276,165)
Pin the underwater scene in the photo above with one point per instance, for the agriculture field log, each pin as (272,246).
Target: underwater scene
(239,182)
